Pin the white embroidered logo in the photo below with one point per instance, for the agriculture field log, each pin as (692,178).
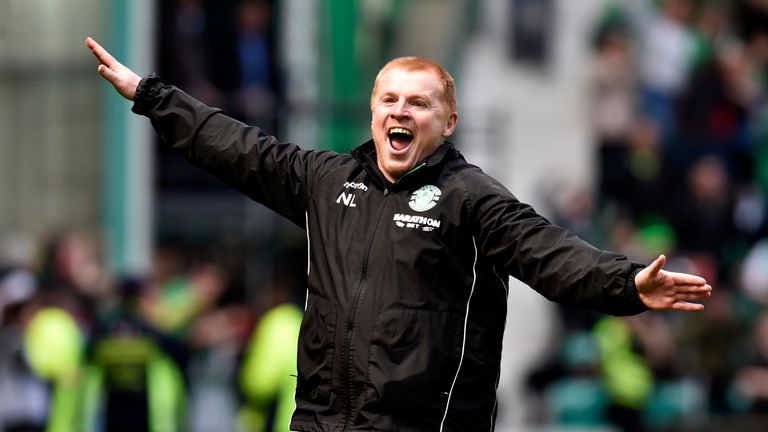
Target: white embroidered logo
(346,199)
(356,185)
(416,222)
(424,198)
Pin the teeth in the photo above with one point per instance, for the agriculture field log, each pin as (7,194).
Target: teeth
(400,131)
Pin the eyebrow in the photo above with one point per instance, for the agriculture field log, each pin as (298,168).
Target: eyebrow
(423,96)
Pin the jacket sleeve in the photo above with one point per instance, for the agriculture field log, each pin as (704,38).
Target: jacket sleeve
(548,258)
(278,175)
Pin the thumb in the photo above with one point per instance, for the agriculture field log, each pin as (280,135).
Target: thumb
(656,266)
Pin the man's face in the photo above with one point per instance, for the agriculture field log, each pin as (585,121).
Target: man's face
(409,120)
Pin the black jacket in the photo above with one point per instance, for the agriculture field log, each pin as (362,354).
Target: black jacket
(407,290)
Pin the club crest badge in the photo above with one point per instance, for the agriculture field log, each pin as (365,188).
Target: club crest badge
(424,198)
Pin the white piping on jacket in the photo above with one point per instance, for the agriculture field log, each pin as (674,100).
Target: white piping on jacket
(309,262)
(464,339)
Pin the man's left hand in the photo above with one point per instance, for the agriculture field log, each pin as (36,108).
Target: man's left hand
(663,290)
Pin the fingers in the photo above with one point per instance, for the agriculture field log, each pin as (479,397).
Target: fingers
(687,307)
(694,289)
(122,78)
(100,53)
(692,296)
(107,73)
(689,293)
(687,279)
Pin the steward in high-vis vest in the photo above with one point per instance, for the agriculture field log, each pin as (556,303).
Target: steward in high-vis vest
(123,380)
(132,380)
(268,373)
(53,344)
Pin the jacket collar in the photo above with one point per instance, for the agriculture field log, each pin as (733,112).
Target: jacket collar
(365,155)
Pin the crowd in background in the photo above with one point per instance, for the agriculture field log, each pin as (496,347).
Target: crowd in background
(678,102)
(198,343)
(678,97)
(173,349)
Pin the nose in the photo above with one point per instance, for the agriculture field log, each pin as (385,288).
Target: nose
(400,109)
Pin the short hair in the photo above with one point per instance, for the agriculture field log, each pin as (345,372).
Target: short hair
(414,63)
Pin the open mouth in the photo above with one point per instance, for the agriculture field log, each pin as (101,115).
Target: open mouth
(400,138)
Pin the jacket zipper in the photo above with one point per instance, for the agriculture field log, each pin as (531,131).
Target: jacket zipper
(350,324)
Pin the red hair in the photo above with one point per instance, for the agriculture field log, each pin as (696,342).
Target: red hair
(414,63)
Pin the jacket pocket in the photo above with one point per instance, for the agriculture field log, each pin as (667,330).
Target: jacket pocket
(315,354)
(413,358)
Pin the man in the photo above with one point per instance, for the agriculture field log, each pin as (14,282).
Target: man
(410,249)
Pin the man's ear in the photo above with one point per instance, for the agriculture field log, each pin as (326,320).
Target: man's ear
(450,124)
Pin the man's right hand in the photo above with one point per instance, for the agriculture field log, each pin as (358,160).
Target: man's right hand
(123,79)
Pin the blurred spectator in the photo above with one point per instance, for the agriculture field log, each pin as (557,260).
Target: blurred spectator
(647,183)
(17,285)
(221,52)
(713,112)
(179,290)
(703,217)
(190,299)
(533,29)
(613,84)
(754,272)
(217,337)
(751,381)
(667,49)
(750,17)
(754,63)
(133,381)
(625,374)
(710,27)
(24,397)
(186,37)
(253,49)
(217,341)
(75,261)
(711,348)
(603,373)
(569,384)
(267,377)
(73,272)
(53,345)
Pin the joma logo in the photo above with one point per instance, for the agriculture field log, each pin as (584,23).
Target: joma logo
(346,199)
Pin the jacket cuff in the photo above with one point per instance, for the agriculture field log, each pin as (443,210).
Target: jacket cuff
(147,93)
(636,305)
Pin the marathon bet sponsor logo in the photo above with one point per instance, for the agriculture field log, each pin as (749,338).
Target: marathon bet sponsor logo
(424,198)
(416,222)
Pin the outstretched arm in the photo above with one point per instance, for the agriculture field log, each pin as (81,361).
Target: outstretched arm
(123,79)
(663,290)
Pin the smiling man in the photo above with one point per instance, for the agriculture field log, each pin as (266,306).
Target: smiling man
(413,106)
(410,251)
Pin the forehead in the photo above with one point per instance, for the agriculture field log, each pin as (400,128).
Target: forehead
(403,81)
